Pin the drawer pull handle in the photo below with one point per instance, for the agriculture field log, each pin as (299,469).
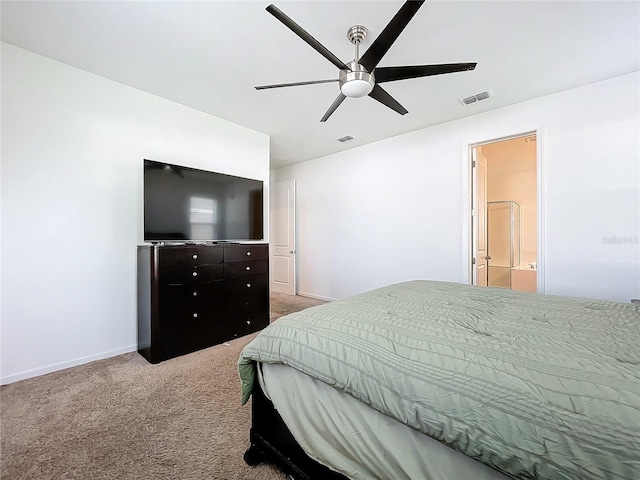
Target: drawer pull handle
(195,294)
(195,256)
(248,254)
(195,274)
(248,268)
(195,315)
(248,322)
(248,285)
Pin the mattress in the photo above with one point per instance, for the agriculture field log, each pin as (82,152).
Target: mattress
(534,386)
(345,435)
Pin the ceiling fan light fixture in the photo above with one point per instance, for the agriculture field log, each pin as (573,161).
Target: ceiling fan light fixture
(356,88)
(357,82)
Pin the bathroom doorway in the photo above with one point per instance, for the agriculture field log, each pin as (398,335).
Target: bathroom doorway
(505,213)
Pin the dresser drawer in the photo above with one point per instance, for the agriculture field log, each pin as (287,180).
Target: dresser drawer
(191,275)
(179,256)
(241,304)
(176,316)
(195,297)
(240,325)
(241,269)
(253,285)
(240,253)
(185,335)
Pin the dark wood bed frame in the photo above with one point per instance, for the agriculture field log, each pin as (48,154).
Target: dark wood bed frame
(272,441)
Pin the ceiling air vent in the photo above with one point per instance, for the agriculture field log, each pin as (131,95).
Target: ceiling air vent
(346,138)
(475,98)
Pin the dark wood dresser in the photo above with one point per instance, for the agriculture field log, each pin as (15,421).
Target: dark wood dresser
(194,296)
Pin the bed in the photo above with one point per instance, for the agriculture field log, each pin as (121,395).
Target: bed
(440,380)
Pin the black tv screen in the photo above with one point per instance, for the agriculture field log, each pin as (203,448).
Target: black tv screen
(185,204)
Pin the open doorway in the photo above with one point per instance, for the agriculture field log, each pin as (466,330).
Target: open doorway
(505,213)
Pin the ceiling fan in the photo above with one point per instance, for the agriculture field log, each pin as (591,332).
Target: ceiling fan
(361,76)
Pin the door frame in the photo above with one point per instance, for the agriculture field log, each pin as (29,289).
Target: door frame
(469,197)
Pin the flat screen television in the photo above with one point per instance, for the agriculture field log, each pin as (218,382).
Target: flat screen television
(183,204)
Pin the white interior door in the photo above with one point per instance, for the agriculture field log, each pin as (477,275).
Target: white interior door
(480,274)
(283,237)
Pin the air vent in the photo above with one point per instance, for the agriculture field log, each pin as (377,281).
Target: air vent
(346,138)
(475,98)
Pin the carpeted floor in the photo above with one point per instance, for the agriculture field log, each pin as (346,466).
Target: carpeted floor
(123,418)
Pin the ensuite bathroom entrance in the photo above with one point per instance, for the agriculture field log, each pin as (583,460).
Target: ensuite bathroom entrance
(504,213)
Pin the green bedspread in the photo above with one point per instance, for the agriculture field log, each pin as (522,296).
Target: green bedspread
(536,386)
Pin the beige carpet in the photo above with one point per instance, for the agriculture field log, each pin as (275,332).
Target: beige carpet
(123,418)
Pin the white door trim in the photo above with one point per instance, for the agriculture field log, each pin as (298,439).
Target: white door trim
(467,234)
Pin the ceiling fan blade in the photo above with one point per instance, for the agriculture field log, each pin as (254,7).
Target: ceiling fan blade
(389,74)
(304,35)
(294,84)
(333,107)
(381,95)
(389,35)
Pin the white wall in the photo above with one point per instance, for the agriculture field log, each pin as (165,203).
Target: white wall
(398,209)
(72,151)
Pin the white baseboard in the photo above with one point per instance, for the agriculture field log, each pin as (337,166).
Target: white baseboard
(54,367)
(317,297)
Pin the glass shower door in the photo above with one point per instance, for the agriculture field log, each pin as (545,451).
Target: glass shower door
(503,242)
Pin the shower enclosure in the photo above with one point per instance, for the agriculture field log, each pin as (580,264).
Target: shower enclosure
(503,241)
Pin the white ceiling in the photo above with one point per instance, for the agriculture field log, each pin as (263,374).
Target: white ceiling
(210,54)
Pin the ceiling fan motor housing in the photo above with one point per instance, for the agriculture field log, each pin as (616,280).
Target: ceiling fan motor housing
(356,82)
